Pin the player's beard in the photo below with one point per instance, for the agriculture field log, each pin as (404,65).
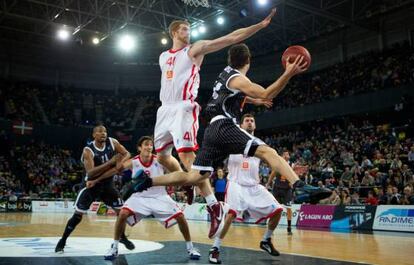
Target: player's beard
(185,40)
(250,131)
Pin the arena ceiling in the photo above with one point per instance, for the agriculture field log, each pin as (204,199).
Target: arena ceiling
(36,21)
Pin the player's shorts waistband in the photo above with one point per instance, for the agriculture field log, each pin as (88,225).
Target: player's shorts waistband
(220,117)
(244,184)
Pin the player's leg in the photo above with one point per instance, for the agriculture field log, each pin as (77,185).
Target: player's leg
(266,244)
(119,229)
(83,201)
(289,220)
(214,253)
(288,205)
(284,197)
(111,198)
(193,253)
(262,205)
(167,211)
(184,131)
(131,213)
(277,163)
(233,199)
(163,140)
(169,162)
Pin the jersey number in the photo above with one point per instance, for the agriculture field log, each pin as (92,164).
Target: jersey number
(104,158)
(187,136)
(171,61)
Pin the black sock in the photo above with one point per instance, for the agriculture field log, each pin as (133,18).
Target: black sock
(70,226)
(289,225)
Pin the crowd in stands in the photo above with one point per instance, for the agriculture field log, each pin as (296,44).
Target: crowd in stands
(39,170)
(359,161)
(17,101)
(367,72)
(73,107)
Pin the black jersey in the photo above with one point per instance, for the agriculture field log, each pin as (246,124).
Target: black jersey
(101,155)
(281,182)
(225,101)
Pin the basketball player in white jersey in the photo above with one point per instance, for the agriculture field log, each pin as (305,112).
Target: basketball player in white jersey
(154,201)
(177,118)
(245,194)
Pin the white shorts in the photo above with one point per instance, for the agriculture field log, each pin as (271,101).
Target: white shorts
(165,209)
(256,200)
(177,125)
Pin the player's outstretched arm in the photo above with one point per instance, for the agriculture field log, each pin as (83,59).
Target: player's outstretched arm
(254,90)
(108,174)
(204,47)
(120,149)
(91,170)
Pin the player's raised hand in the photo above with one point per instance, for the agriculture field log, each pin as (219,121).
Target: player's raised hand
(268,19)
(296,67)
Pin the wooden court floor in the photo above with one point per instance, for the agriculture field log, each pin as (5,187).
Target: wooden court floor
(377,248)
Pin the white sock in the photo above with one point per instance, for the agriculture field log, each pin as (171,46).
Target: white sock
(115,244)
(211,199)
(217,242)
(267,234)
(189,245)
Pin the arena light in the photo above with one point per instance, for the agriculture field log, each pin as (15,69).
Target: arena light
(262,2)
(63,34)
(126,43)
(194,33)
(220,20)
(164,41)
(95,40)
(202,29)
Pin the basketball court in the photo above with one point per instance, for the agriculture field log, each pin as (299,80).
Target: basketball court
(30,238)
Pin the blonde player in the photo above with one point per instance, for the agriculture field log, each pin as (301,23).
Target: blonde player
(155,201)
(177,118)
(244,193)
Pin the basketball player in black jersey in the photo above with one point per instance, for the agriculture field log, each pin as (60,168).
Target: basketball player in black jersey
(223,136)
(103,155)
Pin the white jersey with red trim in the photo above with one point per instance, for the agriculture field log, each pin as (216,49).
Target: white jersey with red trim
(179,76)
(152,169)
(244,170)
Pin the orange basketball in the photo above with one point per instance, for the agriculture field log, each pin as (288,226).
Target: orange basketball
(294,51)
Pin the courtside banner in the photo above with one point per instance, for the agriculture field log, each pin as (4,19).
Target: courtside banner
(319,216)
(394,218)
(358,217)
(53,206)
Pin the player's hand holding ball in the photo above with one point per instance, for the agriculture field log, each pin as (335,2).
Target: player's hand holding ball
(296,60)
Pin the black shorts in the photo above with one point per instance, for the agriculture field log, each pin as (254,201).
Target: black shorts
(105,192)
(221,139)
(283,196)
